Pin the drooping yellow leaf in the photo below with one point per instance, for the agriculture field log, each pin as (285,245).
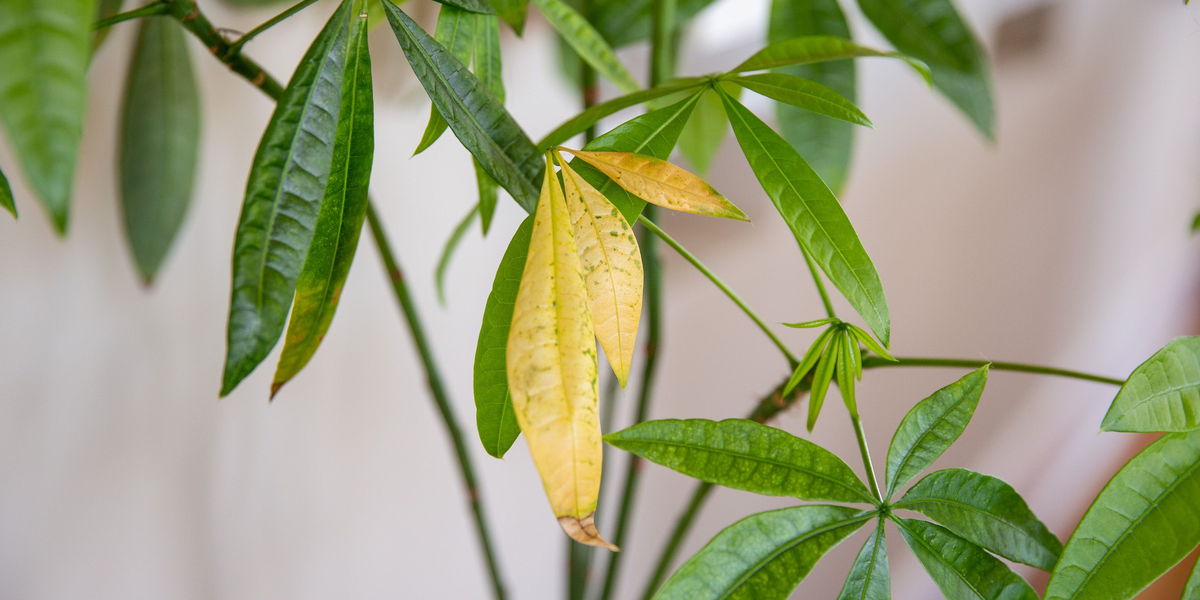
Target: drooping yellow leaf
(662,183)
(612,269)
(552,369)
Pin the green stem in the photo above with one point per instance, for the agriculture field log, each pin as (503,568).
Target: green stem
(866,456)
(816,277)
(872,362)
(236,47)
(194,21)
(656,230)
(150,10)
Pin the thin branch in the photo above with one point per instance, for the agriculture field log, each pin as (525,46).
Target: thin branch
(236,47)
(875,362)
(150,10)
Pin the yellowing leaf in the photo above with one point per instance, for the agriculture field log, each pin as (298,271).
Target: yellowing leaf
(662,183)
(552,370)
(612,269)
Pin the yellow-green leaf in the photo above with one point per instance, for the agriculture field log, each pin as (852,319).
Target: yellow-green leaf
(552,370)
(662,183)
(612,269)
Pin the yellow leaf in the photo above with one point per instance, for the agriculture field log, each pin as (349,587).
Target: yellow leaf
(612,269)
(552,370)
(662,183)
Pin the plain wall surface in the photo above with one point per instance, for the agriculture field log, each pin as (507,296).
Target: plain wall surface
(123,476)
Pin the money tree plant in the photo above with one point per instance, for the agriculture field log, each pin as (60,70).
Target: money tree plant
(583,271)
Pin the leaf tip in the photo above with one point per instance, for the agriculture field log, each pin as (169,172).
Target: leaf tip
(275,387)
(584,531)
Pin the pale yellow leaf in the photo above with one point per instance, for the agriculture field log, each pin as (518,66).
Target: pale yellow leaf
(612,269)
(662,183)
(552,370)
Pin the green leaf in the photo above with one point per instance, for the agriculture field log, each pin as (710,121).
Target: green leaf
(443,265)
(475,6)
(814,49)
(591,116)
(985,511)
(870,342)
(962,570)
(847,372)
(623,22)
(744,455)
(814,354)
(813,323)
(488,69)
(869,578)
(821,378)
(764,556)
(1191,589)
(826,144)
(587,43)
(44,49)
(477,118)
(1196,223)
(160,141)
(104,10)
(340,220)
(706,130)
(1143,523)
(1162,394)
(931,426)
(283,198)
(6,196)
(803,93)
(933,31)
(814,215)
(489,196)
(513,12)
(455,31)
(494,416)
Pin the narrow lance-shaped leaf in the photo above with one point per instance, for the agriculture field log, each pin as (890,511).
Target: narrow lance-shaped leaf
(826,144)
(591,116)
(477,118)
(815,49)
(821,378)
(986,511)
(587,43)
(488,69)
(744,455)
(1162,394)
(6,196)
(869,578)
(706,130)
(962,570)
(44,50)
(764,556)
(1140,525)
(813,323)
(340,221)
(814,216)
(931,427)
(443,264)
(870,342)
(846,373)
(455,31)
(513,12)
(475,6)
(160,142)
(802,93)
(814,354)
(627,21)
(612,269)
(283,198)
(552,370)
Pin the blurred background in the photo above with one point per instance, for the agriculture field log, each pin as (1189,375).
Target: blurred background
(1065,243)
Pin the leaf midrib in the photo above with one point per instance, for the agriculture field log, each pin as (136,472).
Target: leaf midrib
(908,502)
(921,438)
(938,556)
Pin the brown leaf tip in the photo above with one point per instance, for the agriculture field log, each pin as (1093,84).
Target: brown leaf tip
(584,531)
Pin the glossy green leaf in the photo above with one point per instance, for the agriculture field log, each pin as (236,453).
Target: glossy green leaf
(744,455)
(513,12)
(933,31)
(591,116)
(962,570)
(814,354)
(104,10)
(44,49)
(826,144)
(987,512)
(869,578)
(6,196)
(764,556)
(283,198)
(160,141)
(587,43)
(1162,394)
(455,31)
(443,265)
(340,220)
(814,216)
(931,426)
(494,416)
(814,49)
(477,118)
(803,93)
(706,130)
(822,376)
(475,6)
(624,22)
(1140,525)
(1191,589)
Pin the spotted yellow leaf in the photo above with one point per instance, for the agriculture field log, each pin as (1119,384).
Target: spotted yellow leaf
(612,269)
(662,183)
(552,369)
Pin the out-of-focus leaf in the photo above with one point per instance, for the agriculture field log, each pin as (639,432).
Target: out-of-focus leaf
(104,10)
(6,196)
(744,455)
(477,118)
(160,141)
(513,12)
(764,556)
(587,43)
(1143,523)
(814,216)
(933,31)
(44,51)
(283,198)
(705,131)
(987,512)
(591,116)
(624,22)
(1196,223)
(802,93)
(822,376)
(1191,589)
(254,3)
(1162,394)
(488,69)
(825,143)
(456,32)
(475,6)
(660,182)
(443,265)
(869,578)
(489,196)
(931,426)
(494,416)
(962,570)
(814,49)
(340,221)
